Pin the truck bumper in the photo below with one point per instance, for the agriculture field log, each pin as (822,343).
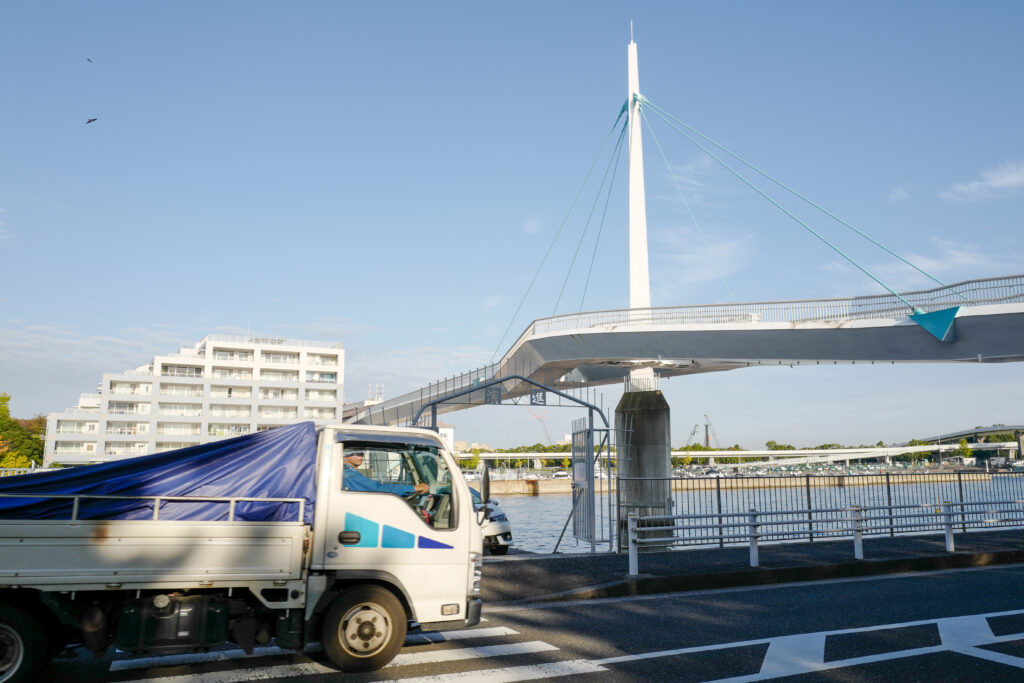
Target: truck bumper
(473,607)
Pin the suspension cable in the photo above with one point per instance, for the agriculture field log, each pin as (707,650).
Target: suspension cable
(590,216)
(707,247)
(787,212)
(781,184)
(600,227)
(558,232)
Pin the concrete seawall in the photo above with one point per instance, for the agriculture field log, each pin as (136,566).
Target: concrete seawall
(536,487)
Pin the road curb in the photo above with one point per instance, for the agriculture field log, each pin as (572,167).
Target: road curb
(648,585)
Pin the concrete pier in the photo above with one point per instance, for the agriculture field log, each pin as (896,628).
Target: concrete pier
(643,451)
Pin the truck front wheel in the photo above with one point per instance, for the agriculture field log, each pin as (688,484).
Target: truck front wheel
(364,628)
(23,646)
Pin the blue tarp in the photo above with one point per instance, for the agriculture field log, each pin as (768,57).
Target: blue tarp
(279,463)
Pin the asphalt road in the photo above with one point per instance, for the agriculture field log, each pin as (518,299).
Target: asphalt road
(963,625)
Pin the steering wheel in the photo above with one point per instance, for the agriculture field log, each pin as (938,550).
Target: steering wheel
(421,503)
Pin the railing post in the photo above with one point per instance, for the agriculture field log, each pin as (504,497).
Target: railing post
(752,531)
(947,522)
(74,509)
(156,509)
(960,486)
(634,559)
(810,511)
(718,496)
(858,532)
(888,497)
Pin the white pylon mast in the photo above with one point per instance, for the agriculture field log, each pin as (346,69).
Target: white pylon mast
(639,271)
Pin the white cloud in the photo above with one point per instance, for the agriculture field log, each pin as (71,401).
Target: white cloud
(532,226)
(404,370)
(995,183)
(898,194)
(490,303)
(945,259)
(691,180)
(682,260)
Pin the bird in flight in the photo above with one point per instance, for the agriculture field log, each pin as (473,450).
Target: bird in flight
(90,121)
(88,59)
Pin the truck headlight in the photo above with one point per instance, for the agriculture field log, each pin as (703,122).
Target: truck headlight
(477,561)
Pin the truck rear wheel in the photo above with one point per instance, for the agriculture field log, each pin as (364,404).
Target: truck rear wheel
(23,645)
(364,628)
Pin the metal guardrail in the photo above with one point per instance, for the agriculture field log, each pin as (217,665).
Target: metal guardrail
(158,500)
(755,526)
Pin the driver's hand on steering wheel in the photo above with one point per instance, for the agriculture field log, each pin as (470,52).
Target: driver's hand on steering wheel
(421,487)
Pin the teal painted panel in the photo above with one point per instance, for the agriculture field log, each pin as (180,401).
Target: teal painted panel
(366,528)
(396,538)
(940,324)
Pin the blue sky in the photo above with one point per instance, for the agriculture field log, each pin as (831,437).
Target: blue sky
(388,175)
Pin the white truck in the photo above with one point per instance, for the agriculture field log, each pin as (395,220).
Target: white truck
(158,573)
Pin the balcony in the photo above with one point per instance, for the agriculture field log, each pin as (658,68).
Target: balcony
(236,356)
(194,373)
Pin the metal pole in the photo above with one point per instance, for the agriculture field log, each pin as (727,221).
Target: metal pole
(634,560)
(947,521)
(752,531)
(718,493)
(960,485)
(858,532)
(810,513)
(888,495)
(591,502)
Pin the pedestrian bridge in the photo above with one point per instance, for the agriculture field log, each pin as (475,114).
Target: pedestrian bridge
(569,352)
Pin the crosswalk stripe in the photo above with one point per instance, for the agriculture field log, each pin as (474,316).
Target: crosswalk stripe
(465,634)
(515,673)
(231,655)
(267,673)
(454,655)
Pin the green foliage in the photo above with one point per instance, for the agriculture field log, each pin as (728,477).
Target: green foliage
(963,451)
(775,446)
(915,457)
(21,443)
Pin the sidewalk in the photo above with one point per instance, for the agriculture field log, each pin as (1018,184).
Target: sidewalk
(535,578)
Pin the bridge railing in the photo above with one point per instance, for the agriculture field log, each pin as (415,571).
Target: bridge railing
(1007,289)
(754,526)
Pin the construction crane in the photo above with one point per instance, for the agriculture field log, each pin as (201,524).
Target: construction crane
(693,433)
(544,424)
(709,427)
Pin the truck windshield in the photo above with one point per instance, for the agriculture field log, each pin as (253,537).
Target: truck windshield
(400,467)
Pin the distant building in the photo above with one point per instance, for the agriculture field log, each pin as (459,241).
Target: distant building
(224,386)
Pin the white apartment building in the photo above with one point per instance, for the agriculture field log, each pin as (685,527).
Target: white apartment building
(225,386)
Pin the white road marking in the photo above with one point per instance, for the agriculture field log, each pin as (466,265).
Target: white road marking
(805,652)
(965,631)
(794,653)
(454,655)
(313,668)
(231,655)
(464,634)
(515,673)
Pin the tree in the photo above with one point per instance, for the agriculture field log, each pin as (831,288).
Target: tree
(774,446)
(20,441)
(964,451)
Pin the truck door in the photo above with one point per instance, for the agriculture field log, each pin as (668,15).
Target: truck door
(380,525)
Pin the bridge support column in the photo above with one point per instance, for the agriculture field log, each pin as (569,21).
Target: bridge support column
(644,459)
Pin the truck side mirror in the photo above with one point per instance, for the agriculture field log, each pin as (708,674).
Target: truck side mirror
(485,489)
